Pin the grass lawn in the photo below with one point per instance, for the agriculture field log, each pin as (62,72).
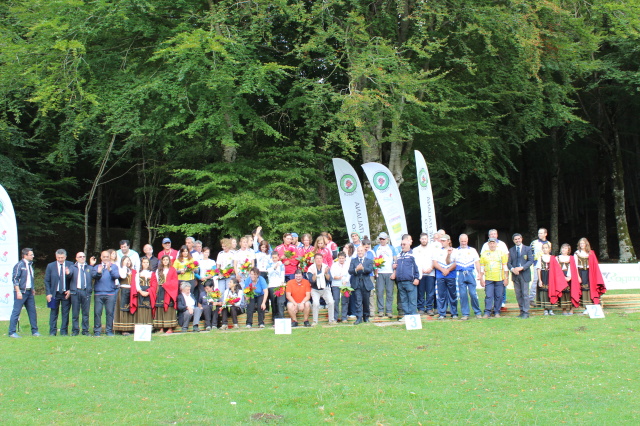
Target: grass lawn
(543,370)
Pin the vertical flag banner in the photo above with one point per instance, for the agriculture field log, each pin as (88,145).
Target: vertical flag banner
(8,253)
(386,189)
(427,208)
(351,198)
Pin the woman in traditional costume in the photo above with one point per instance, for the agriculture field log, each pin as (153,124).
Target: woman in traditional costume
(142,292)
(123,320)
(164,299)
(588,275)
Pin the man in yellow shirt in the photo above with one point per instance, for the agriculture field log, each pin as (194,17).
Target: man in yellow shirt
(494,277)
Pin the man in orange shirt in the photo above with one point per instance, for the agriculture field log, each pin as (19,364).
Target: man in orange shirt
(298,295)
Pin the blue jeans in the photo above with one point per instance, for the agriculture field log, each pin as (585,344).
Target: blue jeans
(384,285)
(28,301)
(447,295)
(426,293)
(108,301)
(467,287)
(408,298)
(493,299)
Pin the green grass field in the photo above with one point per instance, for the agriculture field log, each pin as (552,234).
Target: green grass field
(542,370)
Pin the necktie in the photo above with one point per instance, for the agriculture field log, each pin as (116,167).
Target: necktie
(61,280)
(518,254)
(82,278)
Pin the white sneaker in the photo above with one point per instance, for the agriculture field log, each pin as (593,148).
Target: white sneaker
(546,312)
(402,320)
(248,326)
(551,312)
(351,317)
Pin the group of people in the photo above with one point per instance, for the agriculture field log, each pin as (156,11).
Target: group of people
(298,277)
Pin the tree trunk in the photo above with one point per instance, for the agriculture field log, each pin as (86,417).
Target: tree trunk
(532,220)
(97,244)
(603,251)
(555,173)
(92,192)
(371,152)
(627,254)
(137,222)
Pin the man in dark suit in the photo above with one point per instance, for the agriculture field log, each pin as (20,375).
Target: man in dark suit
(81,281)
(57,285)
(24,293)
(519,263)
(360,270)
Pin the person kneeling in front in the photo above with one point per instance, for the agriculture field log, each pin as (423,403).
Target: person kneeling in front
(298,295)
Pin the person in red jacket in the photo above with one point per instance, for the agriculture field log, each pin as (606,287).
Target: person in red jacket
(164,299)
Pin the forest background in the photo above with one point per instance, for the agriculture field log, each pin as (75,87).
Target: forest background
(139,119)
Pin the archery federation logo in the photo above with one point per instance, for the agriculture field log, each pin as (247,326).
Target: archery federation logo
(381,181)
(423,180)
(348,183)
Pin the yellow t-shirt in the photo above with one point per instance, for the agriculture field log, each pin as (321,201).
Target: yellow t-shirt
(494,263)
(187,276)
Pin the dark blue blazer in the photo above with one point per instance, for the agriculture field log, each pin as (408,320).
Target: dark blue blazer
(526,260)
(52,279)
(361,278)
(89,274)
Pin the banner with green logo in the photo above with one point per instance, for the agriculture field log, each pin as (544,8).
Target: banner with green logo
(427,208)
(386,189)
(351,198)
(8,254)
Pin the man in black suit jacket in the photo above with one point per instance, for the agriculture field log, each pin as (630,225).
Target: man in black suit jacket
(81,286)
(58,286)
(360,270)
(519,263)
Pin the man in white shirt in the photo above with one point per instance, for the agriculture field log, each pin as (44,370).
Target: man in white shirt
(427,287)
(536,247)
(384,283)
(24,293)
(132,254)
(467,268)
(340,278)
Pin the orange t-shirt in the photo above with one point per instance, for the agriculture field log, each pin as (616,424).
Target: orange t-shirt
(298,291)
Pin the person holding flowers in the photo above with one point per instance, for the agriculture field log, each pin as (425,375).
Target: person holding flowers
(210,300)
(256,294)
(320,279)
(244,260)
(340,280)
(123,320)
(385,256)
(277,286)
(225,265)
(142,293)
(206,269)
(164,299)
(305,253)
(186,267)
(234,303)
(288,255)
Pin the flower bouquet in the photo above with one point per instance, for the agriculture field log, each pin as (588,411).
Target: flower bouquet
(378,262)
(190,267)
(249,292)
(227,271)
(346,291)
(213,272)
(282,289)
(246,267)
(229,303)
(213,296)
(306,259)
(289,254)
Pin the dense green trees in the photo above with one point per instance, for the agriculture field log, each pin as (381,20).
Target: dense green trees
(212,117)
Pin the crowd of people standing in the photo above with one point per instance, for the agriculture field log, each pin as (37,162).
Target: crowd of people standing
(177,288)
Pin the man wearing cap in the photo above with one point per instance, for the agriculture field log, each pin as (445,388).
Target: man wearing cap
(168,251)
(445,265)
(519,263)
(296,240)
(427,287)
(502,246)
(384,283)
(493,277)
(355,239)
(467,266)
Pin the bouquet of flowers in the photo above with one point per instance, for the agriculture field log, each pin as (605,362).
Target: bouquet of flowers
(346,291)
(250,291)
(289,254)
(306,259)
(378,262)
(190,267)
(213,296)
(246,267)
(282,289)
(229,303)
(227,271)
(213,272)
